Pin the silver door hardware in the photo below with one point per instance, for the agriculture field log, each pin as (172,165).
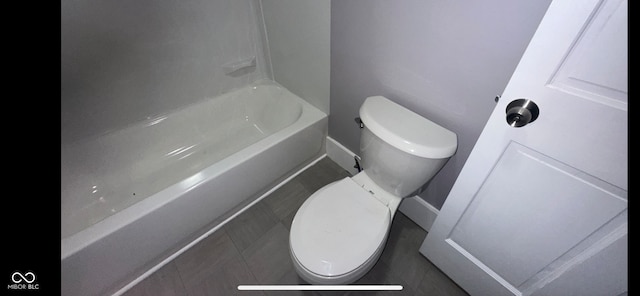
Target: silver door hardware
(521,112)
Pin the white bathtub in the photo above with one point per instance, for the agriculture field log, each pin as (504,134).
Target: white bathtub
(131,198)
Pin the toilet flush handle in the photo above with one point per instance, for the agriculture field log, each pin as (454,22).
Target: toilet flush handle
(359,122)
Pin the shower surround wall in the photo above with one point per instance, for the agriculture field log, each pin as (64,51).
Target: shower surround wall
(299,47)
(123,62)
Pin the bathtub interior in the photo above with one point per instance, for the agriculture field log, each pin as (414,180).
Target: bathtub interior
(108,173)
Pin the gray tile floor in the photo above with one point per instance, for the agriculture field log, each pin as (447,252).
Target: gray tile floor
(253,249)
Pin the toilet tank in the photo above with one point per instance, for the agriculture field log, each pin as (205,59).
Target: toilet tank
(401,150)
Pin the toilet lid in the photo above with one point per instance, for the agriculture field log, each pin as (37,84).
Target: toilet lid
(338,228)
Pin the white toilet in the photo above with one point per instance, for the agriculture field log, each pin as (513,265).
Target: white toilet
(339,232)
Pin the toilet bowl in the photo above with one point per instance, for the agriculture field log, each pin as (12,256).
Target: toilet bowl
(339,232)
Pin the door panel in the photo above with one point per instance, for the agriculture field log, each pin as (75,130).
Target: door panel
(591,69)
(542,208)
(542,222)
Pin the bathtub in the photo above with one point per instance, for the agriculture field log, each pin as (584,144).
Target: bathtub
(132,197)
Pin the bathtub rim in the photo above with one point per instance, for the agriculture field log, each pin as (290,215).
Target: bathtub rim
(76,242)
(262,107)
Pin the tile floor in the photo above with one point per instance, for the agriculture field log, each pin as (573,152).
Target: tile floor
(253,249)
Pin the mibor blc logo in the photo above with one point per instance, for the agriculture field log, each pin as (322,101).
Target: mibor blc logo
(23,281)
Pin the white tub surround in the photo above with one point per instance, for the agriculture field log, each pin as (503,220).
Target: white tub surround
(132,196)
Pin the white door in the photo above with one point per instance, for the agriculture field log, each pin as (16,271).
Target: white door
(541,209)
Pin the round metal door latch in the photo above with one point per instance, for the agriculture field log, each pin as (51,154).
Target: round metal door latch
(521,112)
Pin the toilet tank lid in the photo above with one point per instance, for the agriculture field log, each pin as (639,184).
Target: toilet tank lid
(406,130)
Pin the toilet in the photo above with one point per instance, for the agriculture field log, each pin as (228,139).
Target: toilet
(339,232)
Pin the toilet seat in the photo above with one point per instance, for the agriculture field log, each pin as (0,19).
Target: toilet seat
(338,229)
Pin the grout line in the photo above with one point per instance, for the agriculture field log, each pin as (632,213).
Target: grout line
(233,242)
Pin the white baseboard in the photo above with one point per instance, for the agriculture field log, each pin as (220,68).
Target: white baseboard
(419,211)
(416,208)
(341,155)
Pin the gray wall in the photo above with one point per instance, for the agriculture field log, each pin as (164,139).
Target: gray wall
(445,60)
(124,61)
(299,45)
